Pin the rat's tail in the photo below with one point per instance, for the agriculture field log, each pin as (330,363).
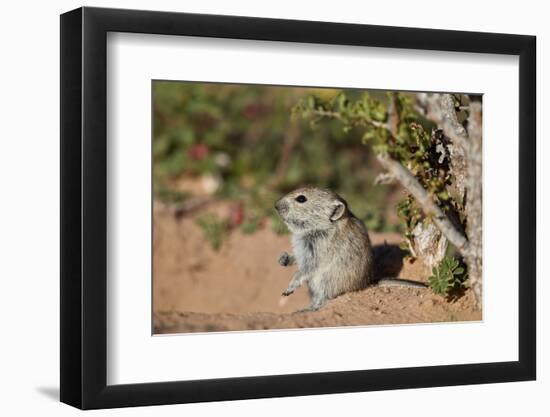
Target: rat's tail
(399,282)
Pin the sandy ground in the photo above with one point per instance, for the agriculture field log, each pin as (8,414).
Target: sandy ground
(196,289)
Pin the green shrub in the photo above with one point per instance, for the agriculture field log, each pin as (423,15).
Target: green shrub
(238,134)
(449,275)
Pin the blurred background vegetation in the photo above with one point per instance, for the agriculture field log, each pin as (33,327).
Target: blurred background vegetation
(241,143)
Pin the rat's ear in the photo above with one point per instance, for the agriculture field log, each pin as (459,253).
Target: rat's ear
(338,211)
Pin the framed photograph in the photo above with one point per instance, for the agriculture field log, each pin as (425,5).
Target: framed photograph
(259,208)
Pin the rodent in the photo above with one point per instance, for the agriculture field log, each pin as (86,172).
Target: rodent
(330,245)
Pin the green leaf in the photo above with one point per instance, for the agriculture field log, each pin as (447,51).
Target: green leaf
(448,275)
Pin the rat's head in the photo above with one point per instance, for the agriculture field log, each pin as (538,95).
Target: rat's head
(308,209)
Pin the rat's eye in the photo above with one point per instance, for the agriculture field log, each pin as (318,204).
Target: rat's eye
(301,199)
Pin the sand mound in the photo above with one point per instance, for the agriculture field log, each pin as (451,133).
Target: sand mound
(197,289)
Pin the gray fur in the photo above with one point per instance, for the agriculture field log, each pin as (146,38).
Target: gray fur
(331,246)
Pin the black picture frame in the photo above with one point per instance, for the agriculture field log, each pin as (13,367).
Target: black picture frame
(84,207)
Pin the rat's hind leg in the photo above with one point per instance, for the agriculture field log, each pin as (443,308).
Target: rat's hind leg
(317,296)
(317,303)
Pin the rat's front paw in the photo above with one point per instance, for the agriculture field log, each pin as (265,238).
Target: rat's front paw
(284,260)
(287,292)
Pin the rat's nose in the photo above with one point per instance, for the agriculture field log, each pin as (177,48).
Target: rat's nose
(281,206)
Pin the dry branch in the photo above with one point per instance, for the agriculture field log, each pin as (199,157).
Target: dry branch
(411,184)
(474,203)
(466,158)
(184,208)
(439,108)
(450,124)
(426,240)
